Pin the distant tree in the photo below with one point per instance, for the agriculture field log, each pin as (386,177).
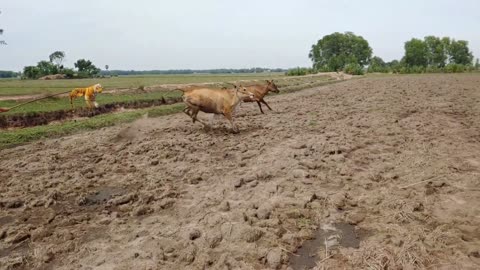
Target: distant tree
(436,51)
(57,57)
(392,63)
(393,66)
(106,67)
(31,72)
(477,64)
(8,74)
(353,69)
(68,72)
(459,53)
(85,67)
(333,52)
(377,65)
(46,68)
(416,53)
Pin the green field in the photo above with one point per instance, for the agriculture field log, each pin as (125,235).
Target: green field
(11,87)
(23,135)
(63,103)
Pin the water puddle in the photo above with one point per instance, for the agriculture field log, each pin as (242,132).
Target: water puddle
(328,236)
(103,194)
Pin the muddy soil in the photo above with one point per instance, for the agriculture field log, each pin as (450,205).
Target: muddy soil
(385,169)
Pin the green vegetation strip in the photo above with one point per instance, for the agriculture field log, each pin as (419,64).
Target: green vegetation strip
(12,87)
(63,103)
(20,136)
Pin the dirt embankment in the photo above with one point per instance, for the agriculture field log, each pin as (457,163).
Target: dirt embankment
(377,173)
(44,118)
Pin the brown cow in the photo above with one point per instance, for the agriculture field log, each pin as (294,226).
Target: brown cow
(216,101)
(261,91)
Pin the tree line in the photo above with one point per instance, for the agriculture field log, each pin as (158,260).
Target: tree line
(85,68)
(190,71)
(352,54)
(8,74)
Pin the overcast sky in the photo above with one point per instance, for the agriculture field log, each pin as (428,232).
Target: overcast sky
(203,34)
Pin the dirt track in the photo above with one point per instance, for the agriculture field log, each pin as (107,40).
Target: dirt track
(383,171)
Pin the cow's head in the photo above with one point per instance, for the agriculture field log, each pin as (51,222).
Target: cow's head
(272,87)
(242,92)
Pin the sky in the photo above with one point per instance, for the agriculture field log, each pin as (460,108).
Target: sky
(206,34)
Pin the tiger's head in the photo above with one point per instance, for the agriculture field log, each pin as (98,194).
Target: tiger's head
(97,88)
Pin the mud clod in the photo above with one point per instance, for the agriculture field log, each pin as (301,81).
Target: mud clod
(356,217)
(194,234)
(274,258)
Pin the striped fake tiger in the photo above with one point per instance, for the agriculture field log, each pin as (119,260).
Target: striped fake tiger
(89,93)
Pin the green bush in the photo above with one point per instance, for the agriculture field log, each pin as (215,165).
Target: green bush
(354,69)
(69,73)
(299,71)
(412,69)
(455,68)
(433,70)
(417,69)
(377,69)
(82,75)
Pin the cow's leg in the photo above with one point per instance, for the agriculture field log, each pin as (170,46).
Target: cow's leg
(187,111)
(230,119)
(260,106)
(194,117)
(192,110)
(212,120)
(192,113)
(263,101)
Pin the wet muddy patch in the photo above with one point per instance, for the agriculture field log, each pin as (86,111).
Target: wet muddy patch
(102,195)
(327,237)
(5,220)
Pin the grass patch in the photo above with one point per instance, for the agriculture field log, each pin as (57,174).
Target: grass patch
(20,136)
(63,103)
(11,87)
